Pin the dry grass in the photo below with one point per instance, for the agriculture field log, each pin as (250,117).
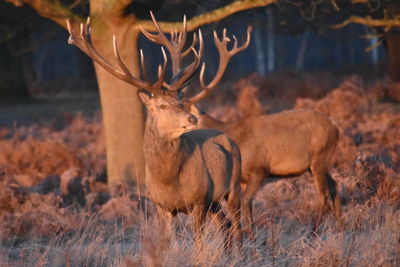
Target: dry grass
(55,209)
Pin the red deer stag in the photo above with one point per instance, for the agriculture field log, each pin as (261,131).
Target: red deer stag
(187,170)
(284,144)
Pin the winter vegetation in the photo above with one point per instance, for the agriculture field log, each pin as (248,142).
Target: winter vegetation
(56,209)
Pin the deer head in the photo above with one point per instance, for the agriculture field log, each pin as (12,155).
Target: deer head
(167,115)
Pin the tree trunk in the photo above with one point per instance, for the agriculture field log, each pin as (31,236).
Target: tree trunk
(392,39)
(270,41)
(121,109)
(260,56)
(393,51)
(12,87)
(301,55)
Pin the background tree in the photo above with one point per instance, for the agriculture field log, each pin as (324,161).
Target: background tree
(16,46)
(121,110)
(381,16)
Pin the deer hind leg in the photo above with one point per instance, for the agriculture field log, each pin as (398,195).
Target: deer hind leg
(327,188)
(333,192)
(233,202)
(255,182)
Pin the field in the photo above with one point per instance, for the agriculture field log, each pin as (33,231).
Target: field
(55,209)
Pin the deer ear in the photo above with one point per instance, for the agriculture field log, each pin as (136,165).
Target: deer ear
(194,110)
(145,96)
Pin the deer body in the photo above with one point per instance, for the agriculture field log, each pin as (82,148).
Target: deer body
(199,169)
(190,171)
(283,144)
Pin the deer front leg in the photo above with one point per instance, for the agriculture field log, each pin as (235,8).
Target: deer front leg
(198,217)
(166,220)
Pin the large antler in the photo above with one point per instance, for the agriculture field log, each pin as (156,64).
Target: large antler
(224,57)
(83,41)
(175,47)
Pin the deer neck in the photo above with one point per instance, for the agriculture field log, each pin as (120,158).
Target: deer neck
(163,156)
(209,122)
(231,129)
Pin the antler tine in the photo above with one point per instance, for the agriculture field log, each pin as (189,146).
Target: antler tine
(182,35)
(178,40)
(174,34)
(161,71)
(177,46)
(83,42)
(174,45)
(182,77)
(201,77)
(72,36)
(159,37)
(144,69)
(119,60)
(224,57)
(206,89)
(237,49)
(187,51)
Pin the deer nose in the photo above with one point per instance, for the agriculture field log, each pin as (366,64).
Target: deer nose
(192,119)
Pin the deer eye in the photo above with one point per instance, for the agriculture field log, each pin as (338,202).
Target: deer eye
(163,106)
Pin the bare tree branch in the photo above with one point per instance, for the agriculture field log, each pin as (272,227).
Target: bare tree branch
(212,16)
(53,10)
(76,3)
(360,1)
(368,21)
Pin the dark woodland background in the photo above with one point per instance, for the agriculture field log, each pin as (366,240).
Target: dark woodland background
(37,62)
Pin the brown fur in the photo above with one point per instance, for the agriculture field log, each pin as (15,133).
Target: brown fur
(189,171)
(284,144)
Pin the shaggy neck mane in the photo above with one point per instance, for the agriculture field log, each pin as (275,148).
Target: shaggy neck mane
(163,157)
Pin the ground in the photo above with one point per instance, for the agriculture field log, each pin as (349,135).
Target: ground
(56,211)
